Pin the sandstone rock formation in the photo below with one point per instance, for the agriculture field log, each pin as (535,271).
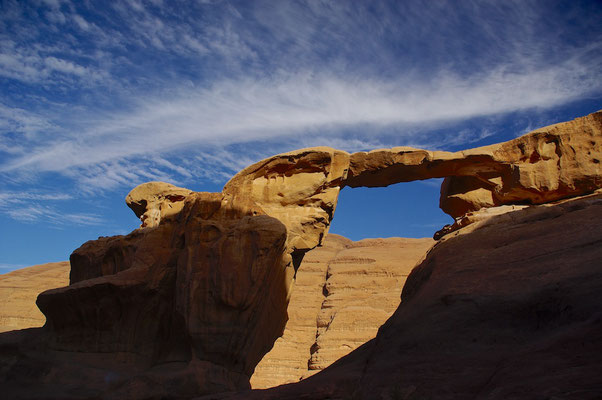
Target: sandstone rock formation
(299,188)
(332,284)
(547,164)
(363,282)
(204,293)
(193,299)
(153,201)
(190,302)
(19,289)
(288,359)
(343,293)
(508,307)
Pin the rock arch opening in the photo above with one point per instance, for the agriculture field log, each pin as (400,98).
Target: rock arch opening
(347,288)
(408,209)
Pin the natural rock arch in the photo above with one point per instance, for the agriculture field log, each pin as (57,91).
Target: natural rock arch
(190,302)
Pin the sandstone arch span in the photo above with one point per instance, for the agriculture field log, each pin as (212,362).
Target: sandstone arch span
(190,302)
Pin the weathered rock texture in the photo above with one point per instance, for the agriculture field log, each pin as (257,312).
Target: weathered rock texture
(506,308)
(288,359)
(154,201)
(190,302)
(548,164)
(203,293)
(344,291)
(299,188)
(362,288)
(19,289)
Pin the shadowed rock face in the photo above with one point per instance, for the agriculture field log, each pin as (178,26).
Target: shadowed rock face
(203,291)
(190,302)
(506,308)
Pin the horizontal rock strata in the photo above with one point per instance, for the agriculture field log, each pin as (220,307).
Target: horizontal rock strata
(19,290)
(343,292)
(507,307)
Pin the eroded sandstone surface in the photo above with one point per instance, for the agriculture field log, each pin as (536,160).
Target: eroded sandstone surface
(191,301)
(344,291)
(506,308)
(547,164)
(19,290)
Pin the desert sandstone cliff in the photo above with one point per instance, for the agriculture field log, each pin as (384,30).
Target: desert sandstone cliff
(343,292)
(19,290)
(190,303)
(507,308)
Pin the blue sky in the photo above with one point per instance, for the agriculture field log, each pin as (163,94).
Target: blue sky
(97,97)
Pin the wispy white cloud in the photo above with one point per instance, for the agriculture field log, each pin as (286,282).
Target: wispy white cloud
(216,76)
(11,267)
(18,120)
(35,65)
(281,107)
(34,207)
(50,215)
(20,197)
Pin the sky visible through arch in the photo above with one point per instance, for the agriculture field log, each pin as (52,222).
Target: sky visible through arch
(97,97)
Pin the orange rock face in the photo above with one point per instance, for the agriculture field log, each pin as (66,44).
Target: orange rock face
(19,289)
(189,303)
(343,292)
(185,293)
(507,307)
(548,164)
(288,359)
(363,283)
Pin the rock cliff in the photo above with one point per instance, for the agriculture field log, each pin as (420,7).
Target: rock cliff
(506,308)
(354,286)
(190,302)
(344,291)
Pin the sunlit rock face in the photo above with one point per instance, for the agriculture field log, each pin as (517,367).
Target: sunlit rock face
(19,289)
(191,301)
(548,164)
(299,188)
(344,291)
(153,201)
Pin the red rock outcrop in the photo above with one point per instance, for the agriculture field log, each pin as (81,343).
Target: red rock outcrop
(343,292)
(506,308)
(19,289)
